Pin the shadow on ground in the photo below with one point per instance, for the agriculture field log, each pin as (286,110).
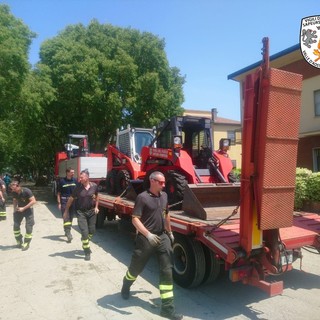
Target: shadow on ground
(222,299)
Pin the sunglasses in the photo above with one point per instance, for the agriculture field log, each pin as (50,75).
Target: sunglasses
(159,181)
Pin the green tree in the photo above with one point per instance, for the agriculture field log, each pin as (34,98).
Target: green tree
(15,39)
(105,77)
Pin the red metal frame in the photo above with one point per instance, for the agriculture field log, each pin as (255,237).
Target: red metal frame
(124,163)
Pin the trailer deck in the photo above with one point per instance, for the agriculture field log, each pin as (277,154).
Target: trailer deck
(304,231)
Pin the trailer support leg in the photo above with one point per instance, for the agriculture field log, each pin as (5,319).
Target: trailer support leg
(271,288)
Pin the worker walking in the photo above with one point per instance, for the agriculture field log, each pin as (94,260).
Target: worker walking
(86,198)
(23,201)
(7,181)
(3,212)
(152,220)
(64,190)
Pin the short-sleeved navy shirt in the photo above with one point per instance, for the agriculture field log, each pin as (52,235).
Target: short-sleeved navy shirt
(66,186)
(151,210)
(85,199)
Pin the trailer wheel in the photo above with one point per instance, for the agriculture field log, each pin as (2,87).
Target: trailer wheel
(213,266)
(175,186)
(111,182)
(189,262)
(122,181)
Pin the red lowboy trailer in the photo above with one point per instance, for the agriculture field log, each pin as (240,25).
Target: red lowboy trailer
(248,229)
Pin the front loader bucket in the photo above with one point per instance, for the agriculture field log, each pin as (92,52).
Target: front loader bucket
(199,198)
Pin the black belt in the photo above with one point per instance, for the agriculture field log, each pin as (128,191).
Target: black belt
(159,233)
(156,233)
(85,210)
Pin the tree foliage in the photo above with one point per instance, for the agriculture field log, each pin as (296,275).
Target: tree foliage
(15,39)
(89,80)
(106,77)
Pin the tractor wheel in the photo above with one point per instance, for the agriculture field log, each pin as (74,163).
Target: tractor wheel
(122,181)
(189,262)
(111,182)
(175,185)
(102,186)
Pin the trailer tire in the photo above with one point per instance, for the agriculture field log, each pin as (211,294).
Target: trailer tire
(189,262)
(213,266)
(122,181)
(111,182)
(175,186)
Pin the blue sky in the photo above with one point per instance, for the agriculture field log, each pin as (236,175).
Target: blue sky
(206,39)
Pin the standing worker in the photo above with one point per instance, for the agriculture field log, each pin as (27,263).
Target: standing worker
(86,198)
(7,181)
(23,200)
(65,187)
(3,211)
(152,220)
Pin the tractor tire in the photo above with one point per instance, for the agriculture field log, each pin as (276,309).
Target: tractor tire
(175,186)
(111,182)
(189,261)
(122,181)
(102,186)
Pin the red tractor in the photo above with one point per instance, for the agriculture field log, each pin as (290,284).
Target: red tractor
(184,154)
(124,158)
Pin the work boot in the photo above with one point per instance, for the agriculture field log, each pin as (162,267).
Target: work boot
(125,291)
(170,315)
(87,255)
(69,236)
(19,244)
(19,240)
(25,246)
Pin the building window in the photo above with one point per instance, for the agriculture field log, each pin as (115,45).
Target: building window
(232,136)
(316,102)
(316,159)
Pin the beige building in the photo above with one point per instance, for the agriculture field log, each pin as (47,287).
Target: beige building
(292,60)
(222,128)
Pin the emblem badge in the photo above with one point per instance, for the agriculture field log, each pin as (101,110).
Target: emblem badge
(310,40)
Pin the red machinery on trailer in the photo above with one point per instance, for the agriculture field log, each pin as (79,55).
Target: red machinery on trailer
(78,156)
(249,230)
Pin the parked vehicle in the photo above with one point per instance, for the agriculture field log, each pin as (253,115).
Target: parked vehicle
(124,158)
(78,156)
